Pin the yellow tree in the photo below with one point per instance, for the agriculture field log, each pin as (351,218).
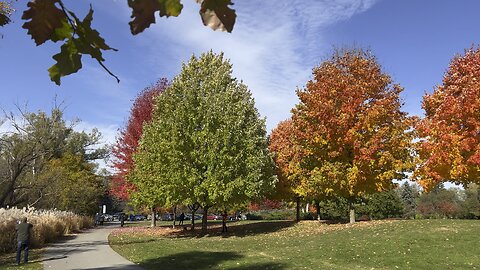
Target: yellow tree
(450,146)
(354,137)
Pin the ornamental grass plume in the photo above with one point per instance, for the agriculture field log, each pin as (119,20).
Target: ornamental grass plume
(48,225)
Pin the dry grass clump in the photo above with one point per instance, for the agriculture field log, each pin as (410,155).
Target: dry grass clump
(48,225)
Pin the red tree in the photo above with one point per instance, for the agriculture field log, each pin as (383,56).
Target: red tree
(127,143)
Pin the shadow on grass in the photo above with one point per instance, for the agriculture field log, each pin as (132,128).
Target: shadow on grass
(204,260)
(7,260)
(238,229)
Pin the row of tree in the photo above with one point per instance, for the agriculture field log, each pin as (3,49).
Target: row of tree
(46,164)
(349,138)
(406,201)
(199,140)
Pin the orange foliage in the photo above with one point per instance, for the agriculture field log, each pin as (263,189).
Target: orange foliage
(450,132)
(283,145)
(353,137)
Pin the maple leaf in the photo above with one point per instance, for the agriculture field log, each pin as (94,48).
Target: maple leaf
(45,17)
(217,15)
(143,12)
(88,41)
(68,62)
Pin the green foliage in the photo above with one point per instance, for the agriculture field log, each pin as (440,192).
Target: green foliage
(334,209)
(86,42)
(409,195)
(272,214)
(206,143)
(48,163)
(385,204)
(471,202)
(71,184)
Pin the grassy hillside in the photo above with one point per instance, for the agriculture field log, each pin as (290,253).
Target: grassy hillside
(403,244)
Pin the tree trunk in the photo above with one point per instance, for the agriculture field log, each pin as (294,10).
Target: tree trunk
(351,207)
(174,215)
(298,208)
(204,220)
(194,207)
(317,207)
(193,219)
(154,217)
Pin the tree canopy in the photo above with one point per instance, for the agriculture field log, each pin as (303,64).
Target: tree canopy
(43,160)
(354,137)
(127,141)
(206,144)
(449,149)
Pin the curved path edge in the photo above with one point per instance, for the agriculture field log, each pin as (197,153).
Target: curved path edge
(87,250)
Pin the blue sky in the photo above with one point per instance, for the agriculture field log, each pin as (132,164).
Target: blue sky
(273,48)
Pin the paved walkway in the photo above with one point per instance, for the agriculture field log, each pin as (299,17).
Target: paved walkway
(88,250)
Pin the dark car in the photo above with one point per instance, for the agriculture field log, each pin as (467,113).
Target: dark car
(167,217)
(139,217)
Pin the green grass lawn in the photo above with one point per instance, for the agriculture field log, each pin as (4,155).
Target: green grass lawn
(403,244)
(7,261)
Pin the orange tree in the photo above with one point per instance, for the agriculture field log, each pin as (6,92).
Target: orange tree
(353,136)
(450,146)
(286,156)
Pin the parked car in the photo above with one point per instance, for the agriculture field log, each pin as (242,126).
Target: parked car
(189,217)
(139,217)
(167,217)
(107,217)
(213,217)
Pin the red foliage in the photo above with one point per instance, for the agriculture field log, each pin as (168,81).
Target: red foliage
(265,205)
(127,143)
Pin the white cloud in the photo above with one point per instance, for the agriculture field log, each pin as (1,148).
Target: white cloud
(272,48)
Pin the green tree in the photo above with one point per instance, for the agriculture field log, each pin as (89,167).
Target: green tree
(37,139)
(71,184)
(409,196)
(386,204)
(206,144)
(471,202)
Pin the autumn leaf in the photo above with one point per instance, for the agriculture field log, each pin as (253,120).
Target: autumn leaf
(143,12)
(68,62)
(45,17)
(88,41)
(4,19)
(217,15)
